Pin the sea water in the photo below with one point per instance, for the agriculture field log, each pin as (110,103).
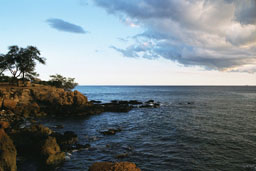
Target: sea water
(195,128)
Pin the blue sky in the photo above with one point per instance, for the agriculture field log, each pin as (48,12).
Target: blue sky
(137,42)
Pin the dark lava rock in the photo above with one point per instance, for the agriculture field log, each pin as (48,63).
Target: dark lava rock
(95,101)
(135,102)
(121,156)
(71,136)
(149,101)
(82,146)
(150,104)
(66,140)
(116,107)
(110,131)
(59,126)
(109,166)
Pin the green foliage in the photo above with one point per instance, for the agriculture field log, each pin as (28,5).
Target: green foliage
(21,62)
(62,82)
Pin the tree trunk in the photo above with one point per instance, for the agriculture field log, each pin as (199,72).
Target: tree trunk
(23,77)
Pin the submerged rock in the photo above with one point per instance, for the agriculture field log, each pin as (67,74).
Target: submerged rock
(7,150)
(111,131)
(59,126)
(116,107)
(81,146)
(95,101)
(150,104)
(135,102)
(121,156)
(109,166)
(149,101)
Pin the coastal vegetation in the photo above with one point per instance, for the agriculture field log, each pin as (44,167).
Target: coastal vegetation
(21,63)
(62,82)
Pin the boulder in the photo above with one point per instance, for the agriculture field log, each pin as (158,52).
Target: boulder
(79,98)
(40,130)
(51,152)
(109,166)
(28,141)
(9,104)
(7,150)
(37,141)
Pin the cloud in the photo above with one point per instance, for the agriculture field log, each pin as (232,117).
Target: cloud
(246,11)
(65,26)
(219,35)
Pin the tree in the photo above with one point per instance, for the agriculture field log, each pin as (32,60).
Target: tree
(27,62)
(62,82)
(21,61)
(12,60)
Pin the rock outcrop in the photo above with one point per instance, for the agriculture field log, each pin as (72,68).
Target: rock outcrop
(37,141)
(109,166)
(7,150)
(51,152)
(41,100)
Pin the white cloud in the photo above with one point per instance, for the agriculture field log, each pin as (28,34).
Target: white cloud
(215,34)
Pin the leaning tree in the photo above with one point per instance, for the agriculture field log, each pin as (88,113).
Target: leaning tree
(27,62)
(21,61)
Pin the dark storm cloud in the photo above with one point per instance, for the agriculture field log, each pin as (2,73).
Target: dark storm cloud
(62,25)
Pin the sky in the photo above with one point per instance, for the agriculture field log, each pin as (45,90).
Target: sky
(137,42)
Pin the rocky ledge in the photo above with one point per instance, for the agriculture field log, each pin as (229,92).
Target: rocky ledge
(40,100)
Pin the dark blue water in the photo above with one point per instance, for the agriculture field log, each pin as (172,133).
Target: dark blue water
(196,128)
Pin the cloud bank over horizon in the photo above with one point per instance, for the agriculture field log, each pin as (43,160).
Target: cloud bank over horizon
(65,26)
(216,35)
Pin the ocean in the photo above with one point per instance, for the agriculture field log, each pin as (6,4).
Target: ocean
(195,128)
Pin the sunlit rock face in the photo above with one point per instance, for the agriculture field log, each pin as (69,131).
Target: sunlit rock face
(40,99)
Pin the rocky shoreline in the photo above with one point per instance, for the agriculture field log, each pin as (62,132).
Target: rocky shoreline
(21,135)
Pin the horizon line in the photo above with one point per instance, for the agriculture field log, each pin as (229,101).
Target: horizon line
(206,85)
